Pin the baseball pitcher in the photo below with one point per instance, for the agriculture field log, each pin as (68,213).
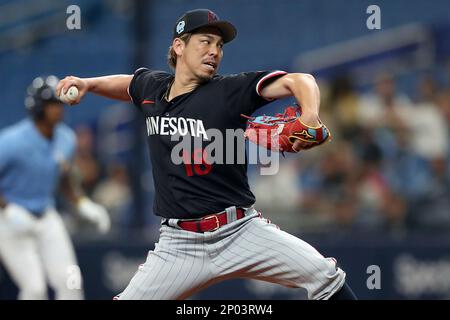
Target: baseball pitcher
(210,227)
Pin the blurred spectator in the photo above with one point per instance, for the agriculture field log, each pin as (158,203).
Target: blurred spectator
(114,193)
(345,212)
(344,104)
(427,89)
(443,101)
(394,213)
(405,170)
(381,113)
(426,122)
(377,212)
(85,158)
(278,196)
(444,104)
(432,210)
(329,189)
(382,108)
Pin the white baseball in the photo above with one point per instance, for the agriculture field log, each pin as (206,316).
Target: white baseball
(70,96)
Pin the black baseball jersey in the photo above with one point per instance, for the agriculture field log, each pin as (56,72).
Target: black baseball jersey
(192,189)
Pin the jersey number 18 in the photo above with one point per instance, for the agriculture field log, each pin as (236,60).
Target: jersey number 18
(200,163)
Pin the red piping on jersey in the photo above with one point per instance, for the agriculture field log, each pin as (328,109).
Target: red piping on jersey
(267,76)
(148,102)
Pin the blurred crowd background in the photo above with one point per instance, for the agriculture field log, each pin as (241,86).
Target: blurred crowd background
(385,95)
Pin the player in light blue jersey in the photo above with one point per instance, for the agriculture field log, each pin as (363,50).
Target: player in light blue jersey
(35,162)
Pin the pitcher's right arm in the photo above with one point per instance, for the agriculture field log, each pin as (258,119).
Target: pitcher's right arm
(113,86)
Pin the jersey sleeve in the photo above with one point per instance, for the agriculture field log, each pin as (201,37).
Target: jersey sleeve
(144,83)
(244,89)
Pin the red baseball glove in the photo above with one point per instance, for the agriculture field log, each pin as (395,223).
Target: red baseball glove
(279,132)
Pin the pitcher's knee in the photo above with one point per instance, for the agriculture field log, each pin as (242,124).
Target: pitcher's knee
(328,283)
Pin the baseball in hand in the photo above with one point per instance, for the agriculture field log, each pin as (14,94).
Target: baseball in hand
(70,96)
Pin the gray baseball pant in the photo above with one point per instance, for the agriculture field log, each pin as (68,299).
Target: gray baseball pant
(185,262)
